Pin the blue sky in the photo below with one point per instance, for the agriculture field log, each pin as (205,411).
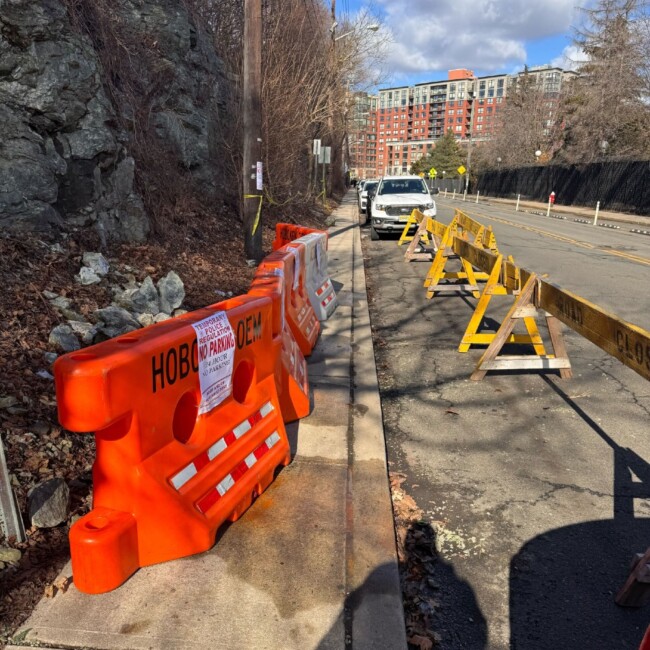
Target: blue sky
(429,37)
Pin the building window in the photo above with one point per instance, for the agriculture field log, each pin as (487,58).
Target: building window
(459,128)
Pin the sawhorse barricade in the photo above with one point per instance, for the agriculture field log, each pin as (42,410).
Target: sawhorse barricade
(525,308)
(415,218)
(503,278)
(430,230)
(438,273)
(476,233)
(481,236)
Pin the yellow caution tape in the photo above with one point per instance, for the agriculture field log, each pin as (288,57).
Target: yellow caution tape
(259,209)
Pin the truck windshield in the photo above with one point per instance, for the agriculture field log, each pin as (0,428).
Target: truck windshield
(406,186)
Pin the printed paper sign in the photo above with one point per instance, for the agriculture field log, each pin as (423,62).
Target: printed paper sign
(216,346)
(259,183)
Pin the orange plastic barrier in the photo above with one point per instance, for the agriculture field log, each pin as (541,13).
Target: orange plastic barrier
(299,313)
(287,232)
(291,369)
(169,468)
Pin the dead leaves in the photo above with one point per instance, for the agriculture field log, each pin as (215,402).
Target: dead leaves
(417,556)
(61,585)
(420,642)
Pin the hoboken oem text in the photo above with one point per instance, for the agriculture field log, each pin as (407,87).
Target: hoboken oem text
(177,362)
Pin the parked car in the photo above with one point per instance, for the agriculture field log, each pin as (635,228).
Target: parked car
(395,198)
(368,186)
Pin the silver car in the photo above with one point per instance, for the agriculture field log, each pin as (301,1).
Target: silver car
(362,198)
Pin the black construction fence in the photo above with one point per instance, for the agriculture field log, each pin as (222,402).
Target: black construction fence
(619,186)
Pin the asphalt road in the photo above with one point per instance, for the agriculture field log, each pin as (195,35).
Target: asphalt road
(538,488)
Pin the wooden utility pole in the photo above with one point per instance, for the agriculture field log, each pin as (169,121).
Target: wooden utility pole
(252,114)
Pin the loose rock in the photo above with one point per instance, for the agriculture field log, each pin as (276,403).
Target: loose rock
(145,319)
(172,292)
(61,302)
(10,555)
(86,331)
(50,357)
(159,318)
(62,338)
(87,276)
(116,321)
(145,299)
(49,503)
(97,262)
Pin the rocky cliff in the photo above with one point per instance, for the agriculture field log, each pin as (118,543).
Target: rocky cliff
(71,130)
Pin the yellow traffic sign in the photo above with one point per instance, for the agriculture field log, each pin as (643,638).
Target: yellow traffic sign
(433,173)
(461,169)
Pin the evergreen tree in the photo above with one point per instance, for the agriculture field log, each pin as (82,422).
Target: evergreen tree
(447,156)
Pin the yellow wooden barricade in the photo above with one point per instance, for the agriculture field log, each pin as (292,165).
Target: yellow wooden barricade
(416,217)
(439,279)
(493,266)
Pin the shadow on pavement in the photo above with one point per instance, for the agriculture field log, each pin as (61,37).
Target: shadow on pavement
(563,583)
(437,600)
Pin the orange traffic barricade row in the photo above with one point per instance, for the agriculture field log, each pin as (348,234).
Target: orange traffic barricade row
(299,314)
(291,369)
(320,289)
(287,232)
(189,429)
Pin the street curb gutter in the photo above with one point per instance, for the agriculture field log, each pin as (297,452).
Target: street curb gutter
(379,615)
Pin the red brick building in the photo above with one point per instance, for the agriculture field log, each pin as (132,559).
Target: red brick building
(406,121)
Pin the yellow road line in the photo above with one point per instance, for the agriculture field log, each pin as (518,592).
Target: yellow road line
(628,256)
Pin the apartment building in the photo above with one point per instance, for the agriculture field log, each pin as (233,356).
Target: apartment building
(408,120)
(362,137)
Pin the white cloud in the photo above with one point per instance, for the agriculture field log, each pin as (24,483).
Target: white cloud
(571,58)
(477,34)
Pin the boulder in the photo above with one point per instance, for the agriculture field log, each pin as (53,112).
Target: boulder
(172,292)
(49,503)
(62,338)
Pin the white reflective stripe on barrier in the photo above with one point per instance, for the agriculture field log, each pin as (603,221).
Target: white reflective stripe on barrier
(318,284)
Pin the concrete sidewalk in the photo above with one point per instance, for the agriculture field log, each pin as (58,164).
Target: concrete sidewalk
(312,564)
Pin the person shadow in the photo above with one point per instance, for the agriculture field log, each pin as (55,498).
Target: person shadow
(440,608)
(563,582)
